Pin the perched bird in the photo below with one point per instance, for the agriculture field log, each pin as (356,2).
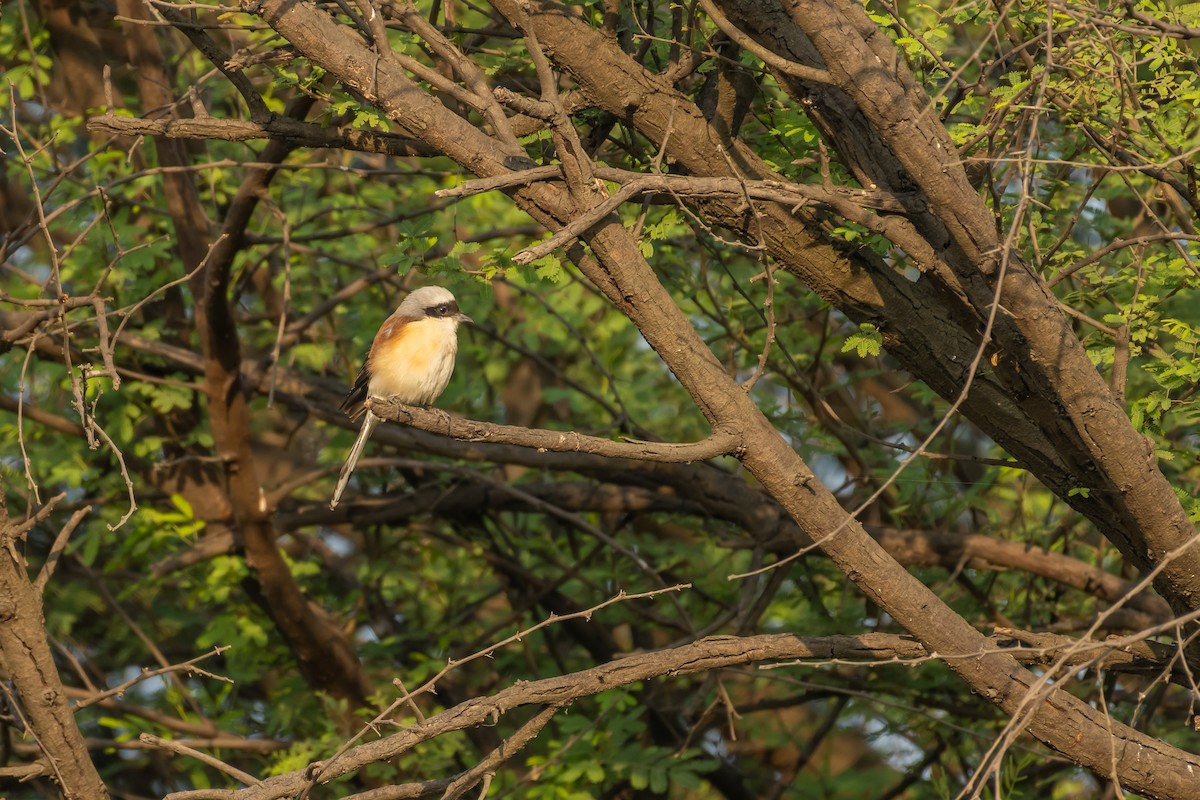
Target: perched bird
(410,360)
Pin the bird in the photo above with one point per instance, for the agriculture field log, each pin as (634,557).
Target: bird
(410,361)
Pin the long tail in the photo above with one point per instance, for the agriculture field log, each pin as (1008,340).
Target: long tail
(369,423)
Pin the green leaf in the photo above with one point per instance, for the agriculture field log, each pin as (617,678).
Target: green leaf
(549,268)
(866,341)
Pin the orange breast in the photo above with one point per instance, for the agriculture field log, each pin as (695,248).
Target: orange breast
(412,362)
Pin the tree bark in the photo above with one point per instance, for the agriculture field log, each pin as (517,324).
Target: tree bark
(1045,371)
(30,666)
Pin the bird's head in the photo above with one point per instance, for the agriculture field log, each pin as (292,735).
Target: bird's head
(432,302)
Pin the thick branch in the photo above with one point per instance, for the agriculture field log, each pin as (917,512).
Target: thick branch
(778,191)
(30,666)
(1048,376)
(295,132)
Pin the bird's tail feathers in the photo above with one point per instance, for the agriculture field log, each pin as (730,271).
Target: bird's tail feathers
(369,423)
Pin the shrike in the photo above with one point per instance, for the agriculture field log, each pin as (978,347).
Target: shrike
(410,361)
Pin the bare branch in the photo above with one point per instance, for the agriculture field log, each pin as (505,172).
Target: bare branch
(512,745)
(721,443)
(186,666)
(296,132)
(179,748)
(321,772)
(56,549)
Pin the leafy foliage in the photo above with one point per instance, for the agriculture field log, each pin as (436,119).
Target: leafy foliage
(1077,123)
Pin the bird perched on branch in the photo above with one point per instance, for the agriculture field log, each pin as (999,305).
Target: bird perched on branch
(410,360)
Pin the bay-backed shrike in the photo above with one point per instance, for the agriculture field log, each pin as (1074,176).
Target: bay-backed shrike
(410,361)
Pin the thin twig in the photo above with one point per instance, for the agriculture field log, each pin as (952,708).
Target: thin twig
(60,544)
(770,58)
(204,758)
(186,666)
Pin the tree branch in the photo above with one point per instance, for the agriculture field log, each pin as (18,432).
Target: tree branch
(721,443)
(30,665)
(709,654)
(296,132)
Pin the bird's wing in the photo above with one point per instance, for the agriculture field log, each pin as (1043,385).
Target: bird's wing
(353,404)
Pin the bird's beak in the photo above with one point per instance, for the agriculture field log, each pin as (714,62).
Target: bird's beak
(461,317)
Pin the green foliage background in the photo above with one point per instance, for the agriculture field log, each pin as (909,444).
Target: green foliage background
(447,582)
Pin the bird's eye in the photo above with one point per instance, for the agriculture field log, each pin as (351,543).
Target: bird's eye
(442,310)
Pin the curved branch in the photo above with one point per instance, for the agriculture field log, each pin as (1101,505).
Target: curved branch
(711,653)
(219,58)
(721,443)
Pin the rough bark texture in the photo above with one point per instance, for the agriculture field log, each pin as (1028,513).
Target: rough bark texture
(1045,372)
(30,667)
